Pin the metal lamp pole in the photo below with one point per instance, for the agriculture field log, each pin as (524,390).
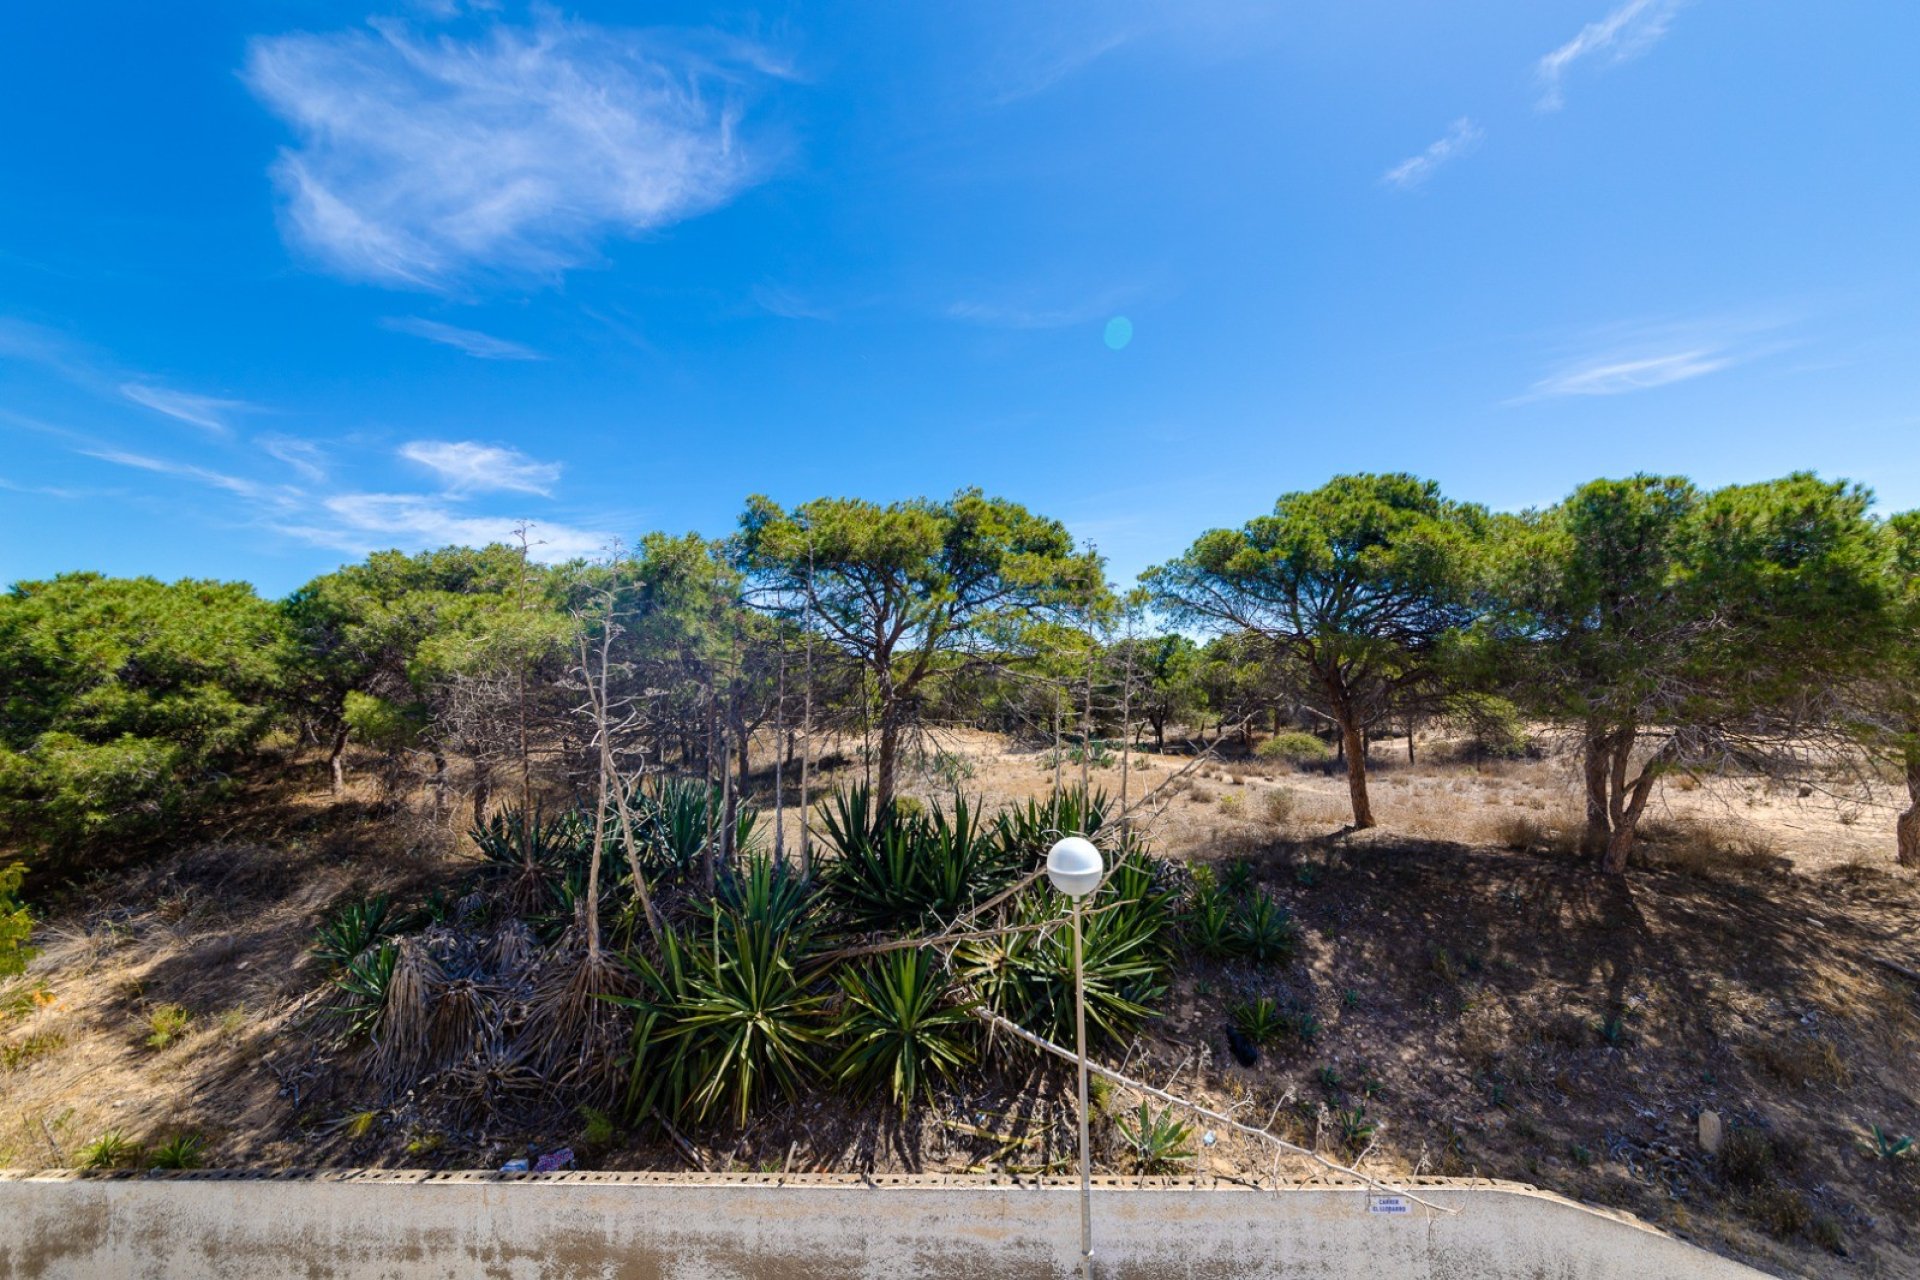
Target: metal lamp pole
(1075,867)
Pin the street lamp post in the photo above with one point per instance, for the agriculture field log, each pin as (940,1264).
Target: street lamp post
(1075,867)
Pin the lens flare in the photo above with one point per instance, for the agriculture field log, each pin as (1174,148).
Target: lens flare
(1119,333)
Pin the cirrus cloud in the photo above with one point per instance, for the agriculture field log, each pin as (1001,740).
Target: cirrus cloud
(421,161)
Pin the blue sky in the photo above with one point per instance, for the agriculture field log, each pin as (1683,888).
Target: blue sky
(283,281)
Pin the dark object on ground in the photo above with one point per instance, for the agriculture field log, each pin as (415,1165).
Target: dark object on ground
(1245,1051)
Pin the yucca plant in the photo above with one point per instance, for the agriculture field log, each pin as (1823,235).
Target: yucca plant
(350,930)
(532,853)
(1263,930)
(904,870)
(1882,1145)
(1025,832)
(111,1150)
(897,1029)
(1261,1020)
(1158,1140)
(1208,923)
(363,985)
(182,1151)
(1027,976)
(725,1019)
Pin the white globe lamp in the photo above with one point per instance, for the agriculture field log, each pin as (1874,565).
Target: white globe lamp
(1075,867)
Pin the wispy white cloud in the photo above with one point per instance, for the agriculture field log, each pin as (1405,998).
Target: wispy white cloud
(304,456)
(1031,71)
(481,346)
(465,466)
(1039,315)
(1462,137)
(424,161)
(788,305)
(217,479)
(1641,357)
(359,522)
(1612,377)
(209,413)
(363,522)
(1626,32)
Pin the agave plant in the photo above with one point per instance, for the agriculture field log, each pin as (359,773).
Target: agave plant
(1209,922)
(898,1030)
(1158,1140)
(1261,1020)
(353,928)
(182,1151)
(1026,832)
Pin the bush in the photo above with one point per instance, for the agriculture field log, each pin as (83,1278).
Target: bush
(1493,726)
(16,925)
(166,1024)
(1295,747)
(1279,805)
(1263,931)
(1027,975)
(129,702)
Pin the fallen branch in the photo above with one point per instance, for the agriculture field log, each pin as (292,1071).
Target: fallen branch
(1138,1086)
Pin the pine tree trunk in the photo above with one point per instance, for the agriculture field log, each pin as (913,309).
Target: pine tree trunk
(336,760)
(1356,753)
(1907,827)
(1594,767)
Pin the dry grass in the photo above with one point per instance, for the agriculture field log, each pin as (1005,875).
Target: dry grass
(1801,1060)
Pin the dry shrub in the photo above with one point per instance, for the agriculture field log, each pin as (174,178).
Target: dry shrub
(1279,805)
(1801,1060)
(1233,805)
(1782,1212)
(1701,846)
(575,1033)
(1747,1158)
(461,1008)
(402,1036)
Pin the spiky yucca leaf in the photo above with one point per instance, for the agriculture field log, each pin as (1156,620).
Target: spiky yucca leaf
(899,1032)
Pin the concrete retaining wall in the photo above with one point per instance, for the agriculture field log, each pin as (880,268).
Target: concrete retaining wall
(264,1227)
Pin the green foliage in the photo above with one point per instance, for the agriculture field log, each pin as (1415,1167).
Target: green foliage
(1027,975)
(182,1151)
(111,1150)
(1494,727)
(598,1129)
(1260,1020)
(1295,747)
(727,1016)
(363,985)
(16,923)
(1263,931)
(900,871)
(165,1024)
(1158,1140)
(906,589)
(124,704)
(1356,582)
(899,1029)
(1208,922)
(1882,1145)
(1355,1127)
(350,930)
(381,722)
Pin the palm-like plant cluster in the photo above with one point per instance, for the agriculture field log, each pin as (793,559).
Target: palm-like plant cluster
(758,988)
